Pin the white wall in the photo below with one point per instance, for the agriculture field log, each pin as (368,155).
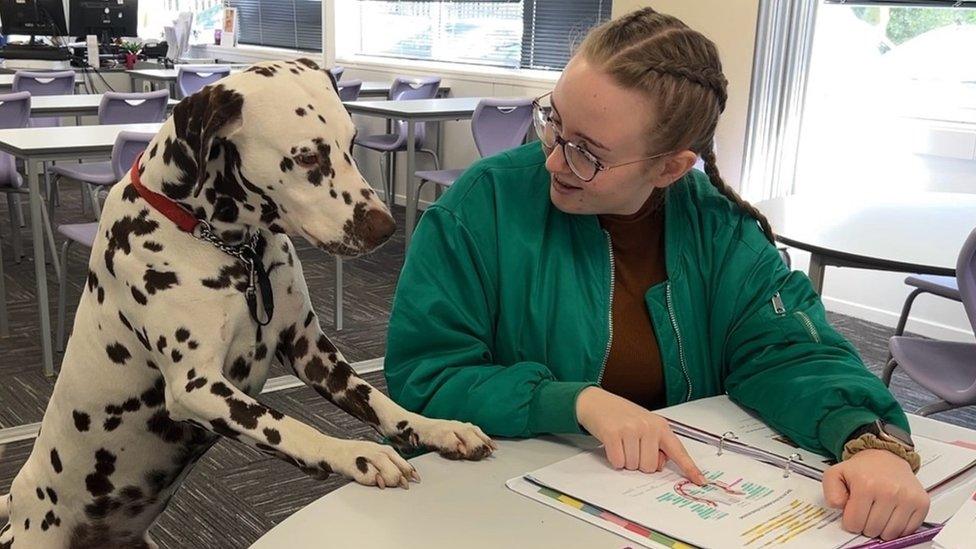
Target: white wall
(731,24)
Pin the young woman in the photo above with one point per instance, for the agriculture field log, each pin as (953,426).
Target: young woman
(579,282)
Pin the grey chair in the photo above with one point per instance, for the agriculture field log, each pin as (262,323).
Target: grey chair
(349,90)
(44,83)
(191,79)
(945,368)
(942,286)
(127,147)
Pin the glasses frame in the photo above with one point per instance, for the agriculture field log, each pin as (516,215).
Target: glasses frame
(539,113)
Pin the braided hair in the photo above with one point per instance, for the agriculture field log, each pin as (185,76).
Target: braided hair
(680,68)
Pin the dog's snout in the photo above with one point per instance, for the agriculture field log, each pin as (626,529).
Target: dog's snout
(379,227)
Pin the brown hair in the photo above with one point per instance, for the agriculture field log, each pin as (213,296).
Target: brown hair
(681,70)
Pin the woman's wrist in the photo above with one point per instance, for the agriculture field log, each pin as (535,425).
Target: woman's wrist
(869,441)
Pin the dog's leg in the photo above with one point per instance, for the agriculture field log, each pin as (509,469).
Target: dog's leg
(318,363)
(208,399)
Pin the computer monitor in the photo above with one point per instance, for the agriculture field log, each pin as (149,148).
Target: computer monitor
(106,19)
(33,17)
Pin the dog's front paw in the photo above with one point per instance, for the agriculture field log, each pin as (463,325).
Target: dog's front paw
(451,439)
(374,465)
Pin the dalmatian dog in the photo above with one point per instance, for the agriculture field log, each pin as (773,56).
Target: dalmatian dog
(166,355)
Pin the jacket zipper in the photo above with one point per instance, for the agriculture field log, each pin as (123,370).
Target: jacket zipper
(780,309)
(606,354)
(677,332)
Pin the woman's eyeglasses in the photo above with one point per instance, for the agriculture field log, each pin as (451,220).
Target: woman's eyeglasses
(581,162)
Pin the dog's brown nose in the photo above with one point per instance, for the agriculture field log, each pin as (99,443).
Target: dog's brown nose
(379,227)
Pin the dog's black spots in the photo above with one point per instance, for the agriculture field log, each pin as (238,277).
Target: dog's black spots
(51,495)
(82,420)
(300,111)
(92,280)
(118,353)
(120,233)
(236,273)
(315,370)
(355,401)
(244,413)
(260,352)
(191,374)
(143,338)
(176,355)
(339,376)
(321,119)
(221,389)
(113,410)
(294,71)
(286,165)
(153,150)
(275,414)
(300,348)
(325,345)
(401,425)
(154,396)
(131,493)
(129,193)
(139,296)
(333,194)
(263,71)
(56,461)
(152,246)
(225,209)
(40,493)
(101,295)
(131,405)
(345,156)
(112,423)
(240,369)
(161,425)
(161,344)
(98,483)
(157,281)
(100,508)
(273,436)
(151,365)
(26,527)
(315,176)
(196,384)
(125,321)
(220,427)
(182,334)
(309,318)
(269,211)
(347,197)
(366,193)
(286,340)
(362,464)
(192,344)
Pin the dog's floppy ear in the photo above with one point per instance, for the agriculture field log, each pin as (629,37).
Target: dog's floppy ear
(199,117)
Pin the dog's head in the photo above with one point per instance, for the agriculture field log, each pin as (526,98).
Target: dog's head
(272,147)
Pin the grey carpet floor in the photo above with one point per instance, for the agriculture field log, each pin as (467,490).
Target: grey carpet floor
(255,492)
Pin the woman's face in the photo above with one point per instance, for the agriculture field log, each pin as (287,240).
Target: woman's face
(612,124)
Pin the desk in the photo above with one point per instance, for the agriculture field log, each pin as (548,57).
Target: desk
(907,233)
(36,146)
(70,105)
(412,112)
(466,504)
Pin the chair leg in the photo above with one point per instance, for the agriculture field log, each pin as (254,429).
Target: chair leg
(95,204)
(85,199)
(13,202)
(903,319)
(4,321)
(437,161)
(391,196)
(420,186)
(935,408)
(62,298)
(889,369)
(50,241)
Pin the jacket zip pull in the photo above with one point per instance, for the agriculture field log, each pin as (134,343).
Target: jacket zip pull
(778,306)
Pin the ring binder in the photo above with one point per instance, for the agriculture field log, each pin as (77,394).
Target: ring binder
(721,442)
(787,470)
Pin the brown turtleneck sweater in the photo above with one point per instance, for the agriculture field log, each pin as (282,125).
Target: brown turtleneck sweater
(633,368)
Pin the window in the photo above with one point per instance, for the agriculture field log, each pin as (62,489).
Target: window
(891,98)
(537,34)
(292,24)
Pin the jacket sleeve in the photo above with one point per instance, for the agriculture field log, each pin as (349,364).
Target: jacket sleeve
(786,362)
(440,361)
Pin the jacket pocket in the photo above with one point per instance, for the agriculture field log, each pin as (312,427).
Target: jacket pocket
(795,324)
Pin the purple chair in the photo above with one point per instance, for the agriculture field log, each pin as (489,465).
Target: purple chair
(349,90)
(337,72)
(190,79)
(44,83)
(497,125)
(115,108)
(942,286)
(946,368)
(127,147)
(391,143)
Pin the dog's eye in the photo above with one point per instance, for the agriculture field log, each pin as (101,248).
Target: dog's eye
(307,160)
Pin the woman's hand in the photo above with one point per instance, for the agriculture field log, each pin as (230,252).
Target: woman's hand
(634,438)
(879,494)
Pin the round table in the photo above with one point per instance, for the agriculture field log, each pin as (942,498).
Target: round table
(466,504)
(919,233)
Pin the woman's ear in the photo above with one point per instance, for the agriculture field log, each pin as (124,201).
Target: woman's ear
(674,166)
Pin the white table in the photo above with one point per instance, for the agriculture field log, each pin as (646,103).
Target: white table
(466,504)
(36,146)
(412,112)
(84,104)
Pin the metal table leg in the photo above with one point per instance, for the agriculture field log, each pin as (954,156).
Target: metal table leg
(40,273)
